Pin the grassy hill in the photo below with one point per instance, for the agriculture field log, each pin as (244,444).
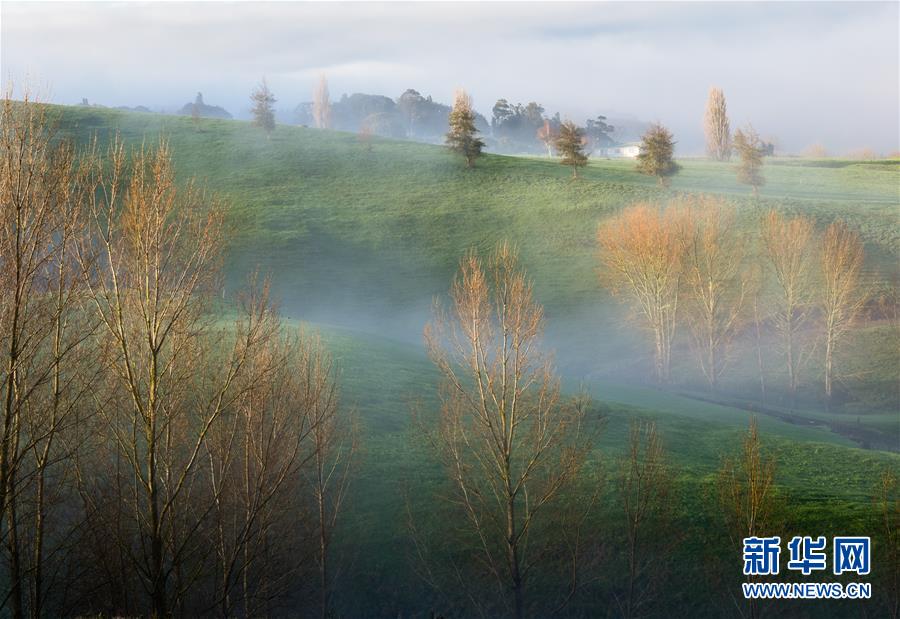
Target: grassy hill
(359,241)
(366,238)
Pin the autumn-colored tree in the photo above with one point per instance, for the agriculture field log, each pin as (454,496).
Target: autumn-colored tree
(321,107)
(640,252)
(262,110)
(657,154)
(277,473)
(150,267)
(570,144)
(840,295)
(750,152)
(716,127)
(789,247)
(44,350)
(462,135)
(815,151)
(747,495)
(143,448)
(713,280)
(364,136)
(754,282)
(333,448)
(509,445)
(746,489)
(547,136)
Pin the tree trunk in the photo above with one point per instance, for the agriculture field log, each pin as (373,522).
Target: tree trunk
(711,358)
(323,551)
(513,556)
(759,357)
(829,356)
(792,371)
(512,544)
(15,563)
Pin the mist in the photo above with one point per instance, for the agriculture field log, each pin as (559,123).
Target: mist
(801,73)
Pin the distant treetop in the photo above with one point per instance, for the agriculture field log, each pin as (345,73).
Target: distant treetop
(199,108)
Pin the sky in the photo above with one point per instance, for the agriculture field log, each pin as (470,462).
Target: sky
(801,73)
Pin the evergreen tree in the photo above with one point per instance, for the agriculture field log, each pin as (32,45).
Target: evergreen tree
(656,156)
(570,145)
(263,112)
(750,150)
(461,138)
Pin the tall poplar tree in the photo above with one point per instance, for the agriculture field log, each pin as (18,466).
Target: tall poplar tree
(716,126)
(749,149)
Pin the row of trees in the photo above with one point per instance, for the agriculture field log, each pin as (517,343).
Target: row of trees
(572,143)
(688,265)
(717,129)
(410,115)
(519,127)
(512,127)
(156,460)
(152,459)
(523,538)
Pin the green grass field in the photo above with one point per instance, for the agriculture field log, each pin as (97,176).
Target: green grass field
(359,242)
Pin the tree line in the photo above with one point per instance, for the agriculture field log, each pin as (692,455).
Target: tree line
(573,144)
(534,519)
(516,128)
(164,454)
(688,266)
(155,458)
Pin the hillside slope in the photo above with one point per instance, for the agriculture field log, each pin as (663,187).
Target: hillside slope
(360,241)
(364,237)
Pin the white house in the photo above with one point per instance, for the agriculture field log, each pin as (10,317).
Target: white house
(629,150)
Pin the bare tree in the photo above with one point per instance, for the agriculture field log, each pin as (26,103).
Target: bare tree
(253,456)
(886,503)
(149,269)
(364,136)
(43,339)
(755,281)
(333,449)
(645,488)
(713,279)
(841,296)
(277,466)
(746,492)
(641,253)
(509,444)
(788,245)
(547,136)
(321,108)
(716,126)
(750,150)
(746,488)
